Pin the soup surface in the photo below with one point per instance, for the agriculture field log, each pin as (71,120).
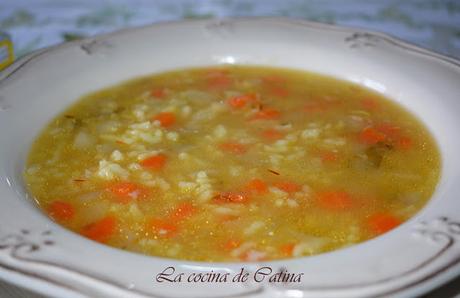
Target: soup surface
(234,163)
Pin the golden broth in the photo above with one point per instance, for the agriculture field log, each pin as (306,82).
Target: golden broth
(234,163)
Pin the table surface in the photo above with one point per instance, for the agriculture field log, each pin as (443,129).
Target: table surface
(34,24)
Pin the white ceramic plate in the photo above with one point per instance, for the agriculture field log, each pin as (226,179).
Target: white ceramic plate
(40,255)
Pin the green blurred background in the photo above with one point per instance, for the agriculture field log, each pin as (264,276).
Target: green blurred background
(34,24)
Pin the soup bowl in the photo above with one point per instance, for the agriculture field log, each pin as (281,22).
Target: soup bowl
(37,253)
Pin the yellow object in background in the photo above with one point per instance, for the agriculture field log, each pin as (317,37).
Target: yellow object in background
(6,51)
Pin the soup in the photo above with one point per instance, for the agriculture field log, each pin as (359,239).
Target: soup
(233,163)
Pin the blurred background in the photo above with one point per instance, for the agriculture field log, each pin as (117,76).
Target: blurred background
(34,24)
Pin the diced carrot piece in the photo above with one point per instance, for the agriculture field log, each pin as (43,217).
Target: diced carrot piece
(218,79)
(329,156)
(321,105)
(101,230)
(122,188)
(231,244)
(253,255)
(266,114)
(287,249)
(389,130)
(60,210)
(370,135)
(166,119)
(234,147)
(155,162)
(404,143)
(313,107)
(231,197)
(279,91)
(162,228)
(287,186)
(125,192)
(393,132)
(272,134)
(237,102)
(380,223)
(335,200)
(228,217)
(257,185)
(240,101)
(158,93)
(276,85)
(219,82)
(370,104)
(273,79)
(183,211)
(213,72)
